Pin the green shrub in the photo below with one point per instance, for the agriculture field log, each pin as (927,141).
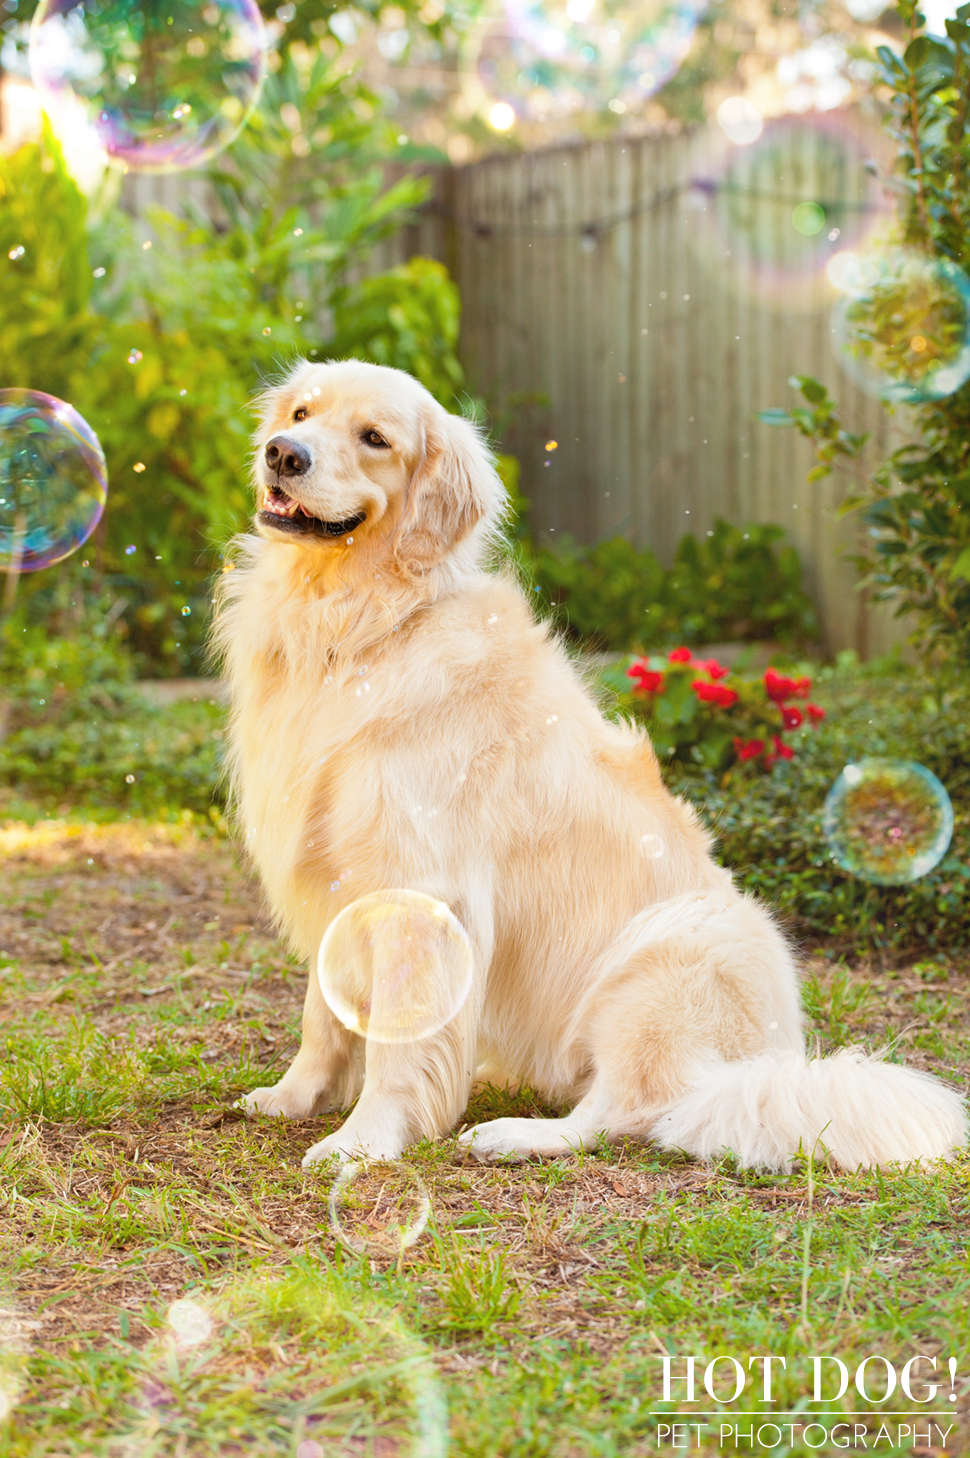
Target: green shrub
(699,713)
(74,729)
(736,584)
(769,828)
(915,504)
(163,353)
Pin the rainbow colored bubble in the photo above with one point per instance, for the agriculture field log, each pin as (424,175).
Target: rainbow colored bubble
(159,88)
(541,59)
(53,480)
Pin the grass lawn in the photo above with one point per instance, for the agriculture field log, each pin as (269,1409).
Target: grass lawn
(176,1286)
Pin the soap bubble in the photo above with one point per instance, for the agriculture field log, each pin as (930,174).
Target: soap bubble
(769,214)
(189,1323)
(162,87)
(395,966)
(902,328)
(293,1364)
(378,1207)
(53,480)
(887,820)
(554,58)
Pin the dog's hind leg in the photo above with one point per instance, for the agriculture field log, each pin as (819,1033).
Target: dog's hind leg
(721,987)
(326,1074)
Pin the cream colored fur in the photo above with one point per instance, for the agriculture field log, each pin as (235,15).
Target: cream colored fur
(392,726)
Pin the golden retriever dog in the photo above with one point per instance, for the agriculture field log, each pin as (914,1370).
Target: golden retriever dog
(617,969)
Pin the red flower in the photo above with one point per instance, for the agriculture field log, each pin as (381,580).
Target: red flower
(679,655)
(793,717)
(778,687)
(815,712)
(648,680)
(711,666)
(784,751)
(714,693)
(748,748)
(803,687)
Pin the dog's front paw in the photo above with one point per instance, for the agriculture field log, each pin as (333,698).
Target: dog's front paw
(366,1139)
(282,1101)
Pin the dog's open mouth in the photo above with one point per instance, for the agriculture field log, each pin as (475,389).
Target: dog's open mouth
(281,511)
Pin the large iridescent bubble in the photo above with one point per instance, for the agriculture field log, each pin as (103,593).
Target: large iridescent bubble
(774,206)
(552,58)
(901,330)
(888,821)
(53,480)
(163,84)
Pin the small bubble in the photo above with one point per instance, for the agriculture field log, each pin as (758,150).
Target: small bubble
(129,779)
(85,563)
(552,445)
(186,612)
(652,846)
(183,392)
(17,252)
(190,1323)
(379,1207)
(267,330)
(146,245)
(139,466)
(130,550)
(134,356)
(297,232)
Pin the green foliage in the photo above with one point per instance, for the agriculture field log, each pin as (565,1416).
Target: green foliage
(769,828)
(163,352)
(74,727)
(915,504)
(408,319)
(734,585)
(698,713)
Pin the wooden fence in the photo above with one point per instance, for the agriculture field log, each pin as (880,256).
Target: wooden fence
(639,301)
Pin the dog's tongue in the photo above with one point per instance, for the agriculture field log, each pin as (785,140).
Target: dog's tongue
(279,504)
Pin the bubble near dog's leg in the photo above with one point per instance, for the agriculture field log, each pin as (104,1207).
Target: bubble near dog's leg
(395,966)
(378,1207)
(887,821)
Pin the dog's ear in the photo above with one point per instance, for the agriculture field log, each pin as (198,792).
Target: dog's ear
(453,487)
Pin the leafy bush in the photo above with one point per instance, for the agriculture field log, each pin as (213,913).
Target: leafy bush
(74,729)
(162,352)
(769,827)
(915,504)
(699,713)
(735,585)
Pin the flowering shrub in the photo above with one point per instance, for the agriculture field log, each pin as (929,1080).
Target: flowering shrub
(698,711)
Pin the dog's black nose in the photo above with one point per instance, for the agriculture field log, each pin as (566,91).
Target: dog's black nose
(287,457)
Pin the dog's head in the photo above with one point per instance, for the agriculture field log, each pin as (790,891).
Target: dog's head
(357,452)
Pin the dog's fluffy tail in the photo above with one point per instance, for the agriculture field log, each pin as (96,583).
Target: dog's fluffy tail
(859,1109)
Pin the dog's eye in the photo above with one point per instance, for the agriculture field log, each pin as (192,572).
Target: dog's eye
(375,439)
(300,414)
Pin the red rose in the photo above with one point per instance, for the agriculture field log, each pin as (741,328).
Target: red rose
(815,712)
(749,748)
(711,666)
(793,717)
(714,693)
(679,655)
(802,688)
(783,750)
(778,687)
(649,681)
